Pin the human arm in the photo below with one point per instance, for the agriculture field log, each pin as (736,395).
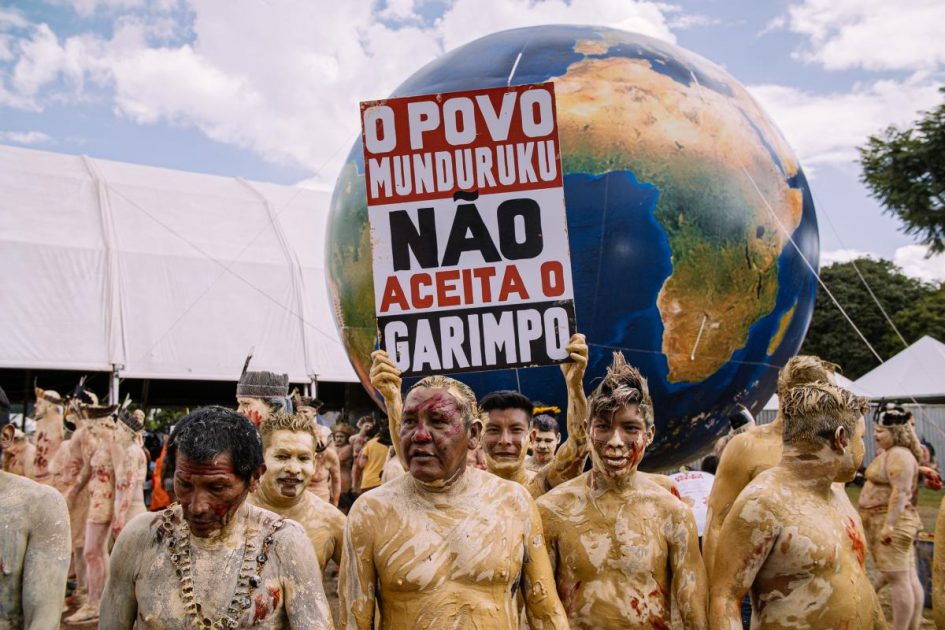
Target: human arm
(568,461)
(688,572)
(731,477)
(304,595)
(357,470)
(46,562)
(901,469)
(357,576)
(542,606)
(385,377)
(748,535)
(127,461)
(333,465)
(119,606)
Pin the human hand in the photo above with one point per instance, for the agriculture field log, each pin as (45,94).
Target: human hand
(385,377)
(574,370)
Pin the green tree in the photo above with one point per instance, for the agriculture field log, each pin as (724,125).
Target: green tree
(925,316)
(905,300)
(905,170)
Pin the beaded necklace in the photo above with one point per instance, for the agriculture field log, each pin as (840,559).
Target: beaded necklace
(175,533)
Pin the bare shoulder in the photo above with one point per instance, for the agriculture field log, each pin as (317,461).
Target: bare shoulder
(326,511)
(387,497)
(140,532)
(900,457)
(762,496)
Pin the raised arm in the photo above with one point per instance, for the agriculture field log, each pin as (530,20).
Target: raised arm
(901,468)
(730,478)
(689,581)
(747,536)
(568,461)
(542,606)
(357,586)
(305,603)
(46,562)
(385,377)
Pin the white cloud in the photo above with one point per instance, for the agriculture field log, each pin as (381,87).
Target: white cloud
(915,262)
(282,79)
(25,137)
(86,8)
(828,258)
(870,34)
(827,128)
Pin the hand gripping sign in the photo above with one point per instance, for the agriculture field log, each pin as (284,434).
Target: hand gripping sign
(466,203)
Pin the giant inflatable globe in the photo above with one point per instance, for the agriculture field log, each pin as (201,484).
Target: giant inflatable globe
(688,215)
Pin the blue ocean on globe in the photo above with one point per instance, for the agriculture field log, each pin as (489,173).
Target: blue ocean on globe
(689,223)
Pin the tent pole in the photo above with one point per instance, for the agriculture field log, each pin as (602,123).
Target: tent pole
(113,385)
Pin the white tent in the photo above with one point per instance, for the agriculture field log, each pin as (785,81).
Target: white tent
(171,275)
(917,372)
(842,381)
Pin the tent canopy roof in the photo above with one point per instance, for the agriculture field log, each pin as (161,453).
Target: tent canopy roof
(170,274)
(916,372)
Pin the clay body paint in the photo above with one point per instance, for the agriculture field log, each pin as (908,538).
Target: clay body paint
(433,435)
(209,492)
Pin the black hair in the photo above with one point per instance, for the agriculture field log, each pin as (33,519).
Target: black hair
(507,399)
(710,464)
(206,432)
(544,422)
(383,432)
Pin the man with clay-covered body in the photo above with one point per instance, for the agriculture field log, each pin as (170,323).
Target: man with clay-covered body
(50,433)
(544,439)
(326,482)
(789,540)
(97,476)
(445,546)
(506,423)
(34,550)
(213,560)
(131,470)
(259,393)
(622,546)
(340,433)
(749,454)
(289,442)
(891,520)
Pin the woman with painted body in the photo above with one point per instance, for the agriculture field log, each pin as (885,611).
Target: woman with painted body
(212,560)
(749,454)
(445,546)
(131,470)
(789,540)
(289,443)
(891,521)
(621,545)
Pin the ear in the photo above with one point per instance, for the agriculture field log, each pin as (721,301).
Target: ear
(650,434)
(254,480)
(475,432)
(558,440)
(6,436)
(840,440)
(532,436)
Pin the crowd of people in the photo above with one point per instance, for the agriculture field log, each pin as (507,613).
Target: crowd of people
(457,512)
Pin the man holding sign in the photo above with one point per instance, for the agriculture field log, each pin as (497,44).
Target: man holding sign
(468,227)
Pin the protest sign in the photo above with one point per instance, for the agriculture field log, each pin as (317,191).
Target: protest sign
(470,246)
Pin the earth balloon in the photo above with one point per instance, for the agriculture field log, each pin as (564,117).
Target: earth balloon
(689,222)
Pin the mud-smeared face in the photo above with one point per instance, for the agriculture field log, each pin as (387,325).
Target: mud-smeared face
(883,437)
(618,443)
(41,408)
(433,434)
(290,463)
(255,409)
(340,438)
(855,453)
(308,413)
(505,438)
(544,443)
(209,492)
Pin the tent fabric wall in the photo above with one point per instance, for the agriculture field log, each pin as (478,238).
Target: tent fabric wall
(170,274)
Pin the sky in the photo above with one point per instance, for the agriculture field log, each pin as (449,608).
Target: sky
(268,90)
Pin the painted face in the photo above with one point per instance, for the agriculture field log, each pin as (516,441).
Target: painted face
(618,443)
(883,437)
(290,463)
(41,408)
(209,492)
(255,409)
(307,412)
(544,443)
(433,436)
(340,438)
(855,453)
(504,439)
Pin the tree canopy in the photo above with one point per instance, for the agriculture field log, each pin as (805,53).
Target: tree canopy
(905,170)
(917,309)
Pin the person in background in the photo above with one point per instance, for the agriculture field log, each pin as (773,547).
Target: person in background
(545,436)
(370,464)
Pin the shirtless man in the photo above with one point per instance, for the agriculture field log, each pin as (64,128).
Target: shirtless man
(18,457)
(213,560)
(326,481)
(506,423)
(34,550)
(289,451)
(47,411)
(622,547)
(445,546)
(749,454)
(341,432)
(544,438)
(788,539)
(357,441)
(259,393)
(131,469)
(890,518)
(98,477)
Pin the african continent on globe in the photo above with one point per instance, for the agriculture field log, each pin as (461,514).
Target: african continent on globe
(682,201)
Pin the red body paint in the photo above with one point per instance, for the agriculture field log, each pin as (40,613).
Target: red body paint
(859,547)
